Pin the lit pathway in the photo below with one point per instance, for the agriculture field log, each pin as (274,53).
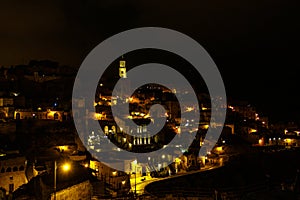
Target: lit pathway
(140,185)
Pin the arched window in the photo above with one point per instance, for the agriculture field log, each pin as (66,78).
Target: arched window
(55,116)
(2,170)
(18,116)
(15,169)
(8,169)
(21,168)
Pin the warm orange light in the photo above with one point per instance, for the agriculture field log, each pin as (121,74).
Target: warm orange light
(66,167)
(219,149)
(147,116)
(63,148)
(189,109)
(252,130)
(288,140)
(178,129)
(206,126)
(98,116)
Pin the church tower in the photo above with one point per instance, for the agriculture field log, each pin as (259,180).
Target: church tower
(124,88)
(122,69)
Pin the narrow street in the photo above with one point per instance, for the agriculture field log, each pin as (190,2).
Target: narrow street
(139,187)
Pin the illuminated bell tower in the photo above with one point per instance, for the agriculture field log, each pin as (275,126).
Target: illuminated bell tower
(124,89)
(122,69)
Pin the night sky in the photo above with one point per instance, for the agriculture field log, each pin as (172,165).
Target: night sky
(255,44)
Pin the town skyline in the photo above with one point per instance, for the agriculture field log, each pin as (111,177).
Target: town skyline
(277,113)
(253,44)
(66,133)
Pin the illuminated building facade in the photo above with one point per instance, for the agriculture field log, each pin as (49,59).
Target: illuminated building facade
(48,114)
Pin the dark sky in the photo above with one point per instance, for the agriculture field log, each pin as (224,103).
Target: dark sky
(255,43)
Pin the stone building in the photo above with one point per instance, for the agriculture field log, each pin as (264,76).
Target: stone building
(12,172)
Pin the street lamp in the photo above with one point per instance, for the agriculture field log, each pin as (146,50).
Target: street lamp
(66,167)
(135,163)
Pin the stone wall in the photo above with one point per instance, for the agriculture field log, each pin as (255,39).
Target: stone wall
(80,191)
